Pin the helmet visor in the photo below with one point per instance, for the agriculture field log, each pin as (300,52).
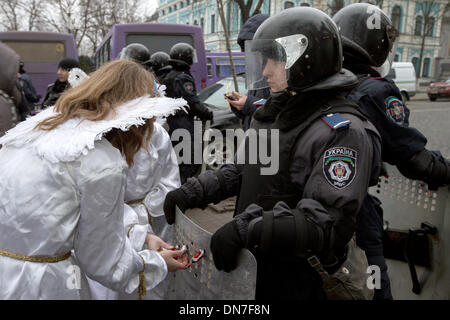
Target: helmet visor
(268,61)
(384,69)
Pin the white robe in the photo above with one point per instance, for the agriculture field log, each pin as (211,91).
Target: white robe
(64,190)
(154,173)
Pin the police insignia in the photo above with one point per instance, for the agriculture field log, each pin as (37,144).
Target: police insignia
(189,86)
(395,109)
(339,166)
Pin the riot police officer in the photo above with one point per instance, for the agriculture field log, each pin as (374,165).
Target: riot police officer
(328,156)
(136,52)
(369,45)
(159,62)
(181,84)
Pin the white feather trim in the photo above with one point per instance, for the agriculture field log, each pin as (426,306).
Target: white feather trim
(76,76)
(76,136)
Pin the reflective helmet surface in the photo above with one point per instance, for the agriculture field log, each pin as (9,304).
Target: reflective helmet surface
(307,40)
(367,33)
(158,60)
(135,51)
(184,52)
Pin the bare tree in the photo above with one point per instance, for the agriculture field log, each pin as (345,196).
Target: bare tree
(334,6)
(430,12)
(9,10)
(245,8)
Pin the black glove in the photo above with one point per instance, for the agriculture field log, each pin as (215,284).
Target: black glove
(225,246)
(174,198)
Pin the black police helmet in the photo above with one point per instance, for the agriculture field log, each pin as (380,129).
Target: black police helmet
(367,33)
(182,51)
(320,65)
(158,60)
(135,51)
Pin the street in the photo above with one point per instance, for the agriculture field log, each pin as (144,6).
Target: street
(433,120)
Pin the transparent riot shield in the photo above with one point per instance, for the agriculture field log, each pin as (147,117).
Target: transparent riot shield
(202,280)
(417,241)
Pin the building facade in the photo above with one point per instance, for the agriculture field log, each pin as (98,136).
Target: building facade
(407,15)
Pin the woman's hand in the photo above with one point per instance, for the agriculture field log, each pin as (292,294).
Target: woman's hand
(155,243)
(175,259)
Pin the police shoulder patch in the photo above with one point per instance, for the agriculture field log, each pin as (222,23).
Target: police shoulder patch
(339,166)
(395,109)
(189,86)
(260,102)
(336,121)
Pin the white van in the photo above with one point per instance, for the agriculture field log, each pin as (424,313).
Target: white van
(404,76)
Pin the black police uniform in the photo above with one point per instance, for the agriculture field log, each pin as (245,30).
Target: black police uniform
(381,100)
(180,84)
(329,154)
(368,47)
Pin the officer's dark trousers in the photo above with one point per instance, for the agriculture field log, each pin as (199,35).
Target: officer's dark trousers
(189,169)
(369,237)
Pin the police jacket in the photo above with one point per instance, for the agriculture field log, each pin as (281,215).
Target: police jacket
(180,84)
(325,168)
(402,146)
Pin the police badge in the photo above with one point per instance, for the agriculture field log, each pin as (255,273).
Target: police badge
(339,166)
(395,110)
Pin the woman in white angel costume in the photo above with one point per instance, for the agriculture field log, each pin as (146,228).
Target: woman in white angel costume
(153,174)
(63,176)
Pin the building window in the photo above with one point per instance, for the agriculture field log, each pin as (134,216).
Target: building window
(202,22)
(426,67)
(195,22)
(305,4)
(396,17)
(213,23)
(188,2)
(174,7)
(181,4)
(429,26)
(162,13)
(397,57)
(418,26)
(288,4)
(415,62)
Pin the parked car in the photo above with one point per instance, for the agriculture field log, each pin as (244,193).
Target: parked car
(404,76)
(439,90)
(213,97)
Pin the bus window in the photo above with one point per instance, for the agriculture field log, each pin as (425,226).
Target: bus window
(223,66)
(210,70)
(157,37)
(34,51)
(41,53)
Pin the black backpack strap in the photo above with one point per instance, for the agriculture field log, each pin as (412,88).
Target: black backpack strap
(301,233)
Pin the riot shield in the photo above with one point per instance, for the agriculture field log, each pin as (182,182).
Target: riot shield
(417,237)
(202,280)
